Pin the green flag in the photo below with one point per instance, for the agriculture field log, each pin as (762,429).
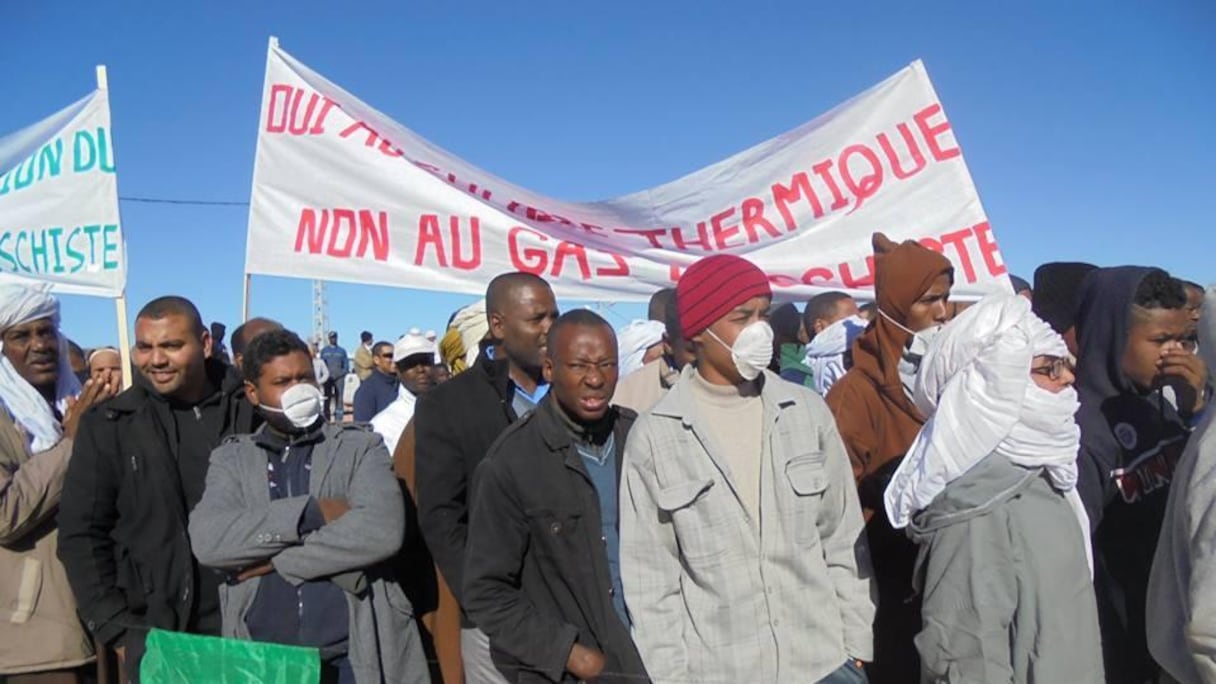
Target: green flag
(174,657)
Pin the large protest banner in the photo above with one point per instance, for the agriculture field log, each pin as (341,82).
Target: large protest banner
(59,220)
(343,192)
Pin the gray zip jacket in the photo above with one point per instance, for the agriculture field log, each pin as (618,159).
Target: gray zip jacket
(236,526)
(1007,590)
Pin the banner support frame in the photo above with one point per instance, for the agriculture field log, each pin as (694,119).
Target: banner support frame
(120,302)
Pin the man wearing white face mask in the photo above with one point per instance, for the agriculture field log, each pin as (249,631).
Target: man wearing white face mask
(742,551)
(878,421)
(299,515)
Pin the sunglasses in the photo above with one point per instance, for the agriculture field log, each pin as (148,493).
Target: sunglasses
(1054,368)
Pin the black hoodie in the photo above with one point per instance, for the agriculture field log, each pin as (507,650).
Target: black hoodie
(1130,444)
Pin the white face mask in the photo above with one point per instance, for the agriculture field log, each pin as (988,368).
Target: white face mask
(302,404)
(753,349)
(913,352)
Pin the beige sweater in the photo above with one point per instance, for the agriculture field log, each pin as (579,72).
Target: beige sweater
(735,416)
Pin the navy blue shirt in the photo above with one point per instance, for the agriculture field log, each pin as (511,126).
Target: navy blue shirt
(374,395)
(314,614)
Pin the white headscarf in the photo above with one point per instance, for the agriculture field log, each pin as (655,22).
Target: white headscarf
(975,385)
(633,340)
(473,325)
(825,354)
(21,304)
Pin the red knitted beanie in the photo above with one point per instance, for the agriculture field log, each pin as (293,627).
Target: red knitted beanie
(710,288)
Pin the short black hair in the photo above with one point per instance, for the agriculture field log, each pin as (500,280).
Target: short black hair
(503,286)
(380,345)
(580,317)
(172,305)
(269,345)
(237,343)
(1158,290)
(74,348)
(822,306)
(1190,284)
(671,326)
(365,336)
(660,303)
(785,321)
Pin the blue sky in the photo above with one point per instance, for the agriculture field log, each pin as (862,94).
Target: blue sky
(1087,126)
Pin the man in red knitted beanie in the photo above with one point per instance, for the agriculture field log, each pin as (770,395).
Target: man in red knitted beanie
(742,553)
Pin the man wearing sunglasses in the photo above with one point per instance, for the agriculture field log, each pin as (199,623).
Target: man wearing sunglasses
(379,390)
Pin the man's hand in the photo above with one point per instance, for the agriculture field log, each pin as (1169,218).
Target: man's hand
(93,393)
(1188,375)
(332,509)
(255,571)
(585,663)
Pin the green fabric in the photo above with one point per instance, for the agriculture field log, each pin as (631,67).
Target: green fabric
(792,366)
(174,657)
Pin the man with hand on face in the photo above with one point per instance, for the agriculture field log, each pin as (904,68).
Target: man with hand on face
(300,516)
(138,467)
(459,420)
(379,389)
(878,422)
(413,359)
(41,638)
(1133,331)
(105,367)
(546,587)
(743,556)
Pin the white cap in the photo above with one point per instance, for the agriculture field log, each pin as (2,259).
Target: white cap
(412,344)
(431,335)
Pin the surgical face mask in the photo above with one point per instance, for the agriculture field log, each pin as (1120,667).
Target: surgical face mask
(752,351)
(301,404)
(913,353)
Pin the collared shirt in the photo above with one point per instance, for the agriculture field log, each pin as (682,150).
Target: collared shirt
(522,402)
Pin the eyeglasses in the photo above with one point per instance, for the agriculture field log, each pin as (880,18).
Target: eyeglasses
(1054,368)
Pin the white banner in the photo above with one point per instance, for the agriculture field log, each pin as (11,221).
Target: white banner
(59,220)
(342,192)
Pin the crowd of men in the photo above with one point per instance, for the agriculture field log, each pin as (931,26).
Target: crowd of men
(909,489)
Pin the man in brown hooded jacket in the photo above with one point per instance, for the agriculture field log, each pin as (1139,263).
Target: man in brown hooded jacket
(878,422)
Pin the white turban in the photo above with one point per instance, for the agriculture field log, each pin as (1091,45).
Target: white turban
(21,304)
(974,384)
(633,340)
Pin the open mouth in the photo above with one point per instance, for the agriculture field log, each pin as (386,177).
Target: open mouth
(593,404)
(161,377)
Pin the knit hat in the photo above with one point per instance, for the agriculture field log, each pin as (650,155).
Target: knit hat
(713,286)
(1057,291)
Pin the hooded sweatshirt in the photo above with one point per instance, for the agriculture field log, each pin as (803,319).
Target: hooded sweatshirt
(1182,587)
(878,422)
(876,418)
(1130,444)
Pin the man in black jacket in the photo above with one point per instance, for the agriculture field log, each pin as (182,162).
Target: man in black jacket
(138,466)
(1132,328)
(458,421)
(542,575)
